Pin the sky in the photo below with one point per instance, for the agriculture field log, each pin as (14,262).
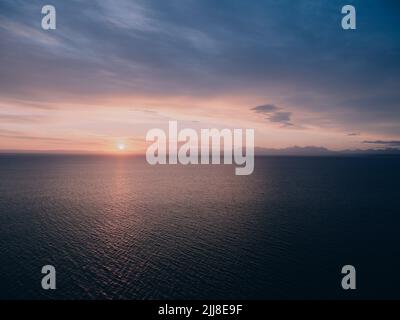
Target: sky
(114,69)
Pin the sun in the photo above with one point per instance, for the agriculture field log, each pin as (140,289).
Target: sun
(121,146)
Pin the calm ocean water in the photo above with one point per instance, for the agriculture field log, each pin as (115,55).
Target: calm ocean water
(115,227)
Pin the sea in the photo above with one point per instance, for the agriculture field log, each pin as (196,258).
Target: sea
(115,227)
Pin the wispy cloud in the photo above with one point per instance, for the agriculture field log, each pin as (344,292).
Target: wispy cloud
(17,118)
(26,136)
(294,55)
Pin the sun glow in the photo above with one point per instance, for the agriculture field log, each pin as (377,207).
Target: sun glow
(121,146)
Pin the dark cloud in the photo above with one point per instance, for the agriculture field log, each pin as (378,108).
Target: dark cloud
(281,117)
(265,108)
(391,143)
(353,134)
(273,114)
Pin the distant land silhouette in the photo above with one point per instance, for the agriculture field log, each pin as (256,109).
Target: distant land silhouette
(322,151)
(258,151)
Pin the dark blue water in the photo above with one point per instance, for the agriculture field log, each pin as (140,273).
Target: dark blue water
(115,227)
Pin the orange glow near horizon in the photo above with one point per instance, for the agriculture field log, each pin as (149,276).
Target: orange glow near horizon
(119,126)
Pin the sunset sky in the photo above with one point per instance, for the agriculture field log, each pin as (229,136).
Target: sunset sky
(112,70)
